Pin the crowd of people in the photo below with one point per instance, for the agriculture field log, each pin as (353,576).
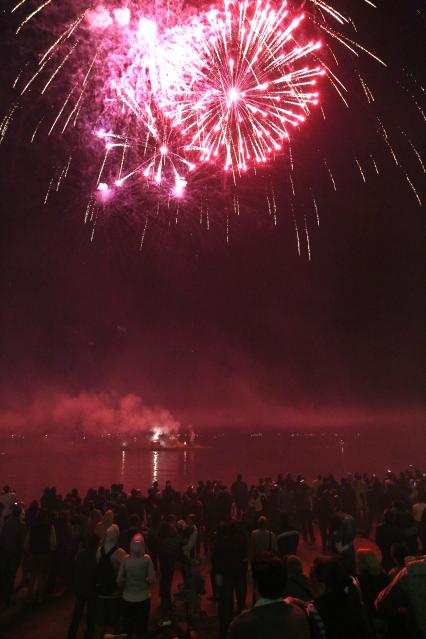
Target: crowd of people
(112,549)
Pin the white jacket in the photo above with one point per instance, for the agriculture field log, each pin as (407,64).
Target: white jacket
(136,572)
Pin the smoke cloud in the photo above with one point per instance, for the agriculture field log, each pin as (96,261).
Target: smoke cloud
(94,413)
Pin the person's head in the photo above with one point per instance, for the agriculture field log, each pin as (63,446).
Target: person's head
(108,517)
(181,525)
(328,575)
(368,562)
(398,553)
(6,489)
(191,519)
(294,566)
(263,523)
(270,577)
(239,477)
(137,546)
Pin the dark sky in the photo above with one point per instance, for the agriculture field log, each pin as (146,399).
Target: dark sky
(205,328)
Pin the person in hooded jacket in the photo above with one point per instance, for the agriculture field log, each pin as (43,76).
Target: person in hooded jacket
(135,577)
(108,557)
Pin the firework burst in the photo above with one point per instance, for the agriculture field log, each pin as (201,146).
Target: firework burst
(251,85)
(158,99)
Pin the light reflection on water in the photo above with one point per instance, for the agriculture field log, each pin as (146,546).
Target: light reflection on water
(30,467)
(155,455)
(123,463)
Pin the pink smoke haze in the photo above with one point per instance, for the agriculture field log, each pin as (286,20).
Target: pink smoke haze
(94,413)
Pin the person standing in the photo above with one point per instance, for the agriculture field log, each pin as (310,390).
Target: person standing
(337,601)
(40,544)
(262,540)
(85,571)
(109,557)
(7,499)
(271,617)
(12,539)
(168,554)
(407,590)
(240,494)
(230,560)
(135,577)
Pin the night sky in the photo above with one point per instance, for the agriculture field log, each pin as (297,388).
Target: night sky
(225,333)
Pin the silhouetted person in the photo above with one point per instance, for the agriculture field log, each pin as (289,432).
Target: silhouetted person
(240,493)
(297,585)
(372,580)
(337,600)
(407,590)
(85,570)
(230,560)
(271,617)
(40,544)
(12,539)
(169,543)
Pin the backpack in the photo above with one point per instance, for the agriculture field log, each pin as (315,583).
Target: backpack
(106,579)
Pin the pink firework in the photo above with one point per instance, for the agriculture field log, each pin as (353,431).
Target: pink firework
(251,86)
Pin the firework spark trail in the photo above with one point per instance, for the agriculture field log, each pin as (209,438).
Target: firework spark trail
(367,91)
(387,141)
(360,170)
(143,235)
(67,168)
(34,133)
(308,243)
(5,123)
(413,188)
(269,205)
(296,229)
(48,191)
(274,206)
(416,152)
(89,208)
(376,168)
(316,211)
(247,91)
(331,176)
(32,14)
